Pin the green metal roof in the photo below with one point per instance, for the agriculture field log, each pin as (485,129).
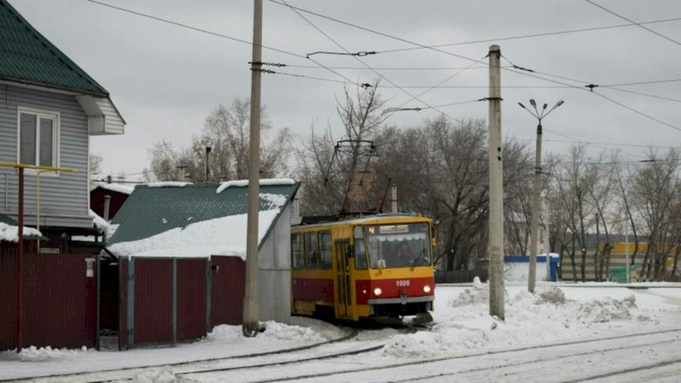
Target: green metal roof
(152,210)
(28,57)
(8,220)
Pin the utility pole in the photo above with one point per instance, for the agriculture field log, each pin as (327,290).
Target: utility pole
(496,189)
(534,229)
(250,323)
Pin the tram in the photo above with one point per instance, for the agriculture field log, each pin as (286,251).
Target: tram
(363,268)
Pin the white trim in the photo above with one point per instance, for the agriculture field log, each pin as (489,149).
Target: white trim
(56,139)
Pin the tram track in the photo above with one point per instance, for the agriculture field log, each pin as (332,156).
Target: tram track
(125,373)
(346,374)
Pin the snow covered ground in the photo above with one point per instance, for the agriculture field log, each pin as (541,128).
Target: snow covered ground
(555,313)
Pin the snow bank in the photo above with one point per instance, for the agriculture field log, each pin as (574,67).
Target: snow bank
(545,316)
(274,331)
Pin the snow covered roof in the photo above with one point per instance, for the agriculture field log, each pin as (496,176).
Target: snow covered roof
(194,220)
(10,233)
(123,189)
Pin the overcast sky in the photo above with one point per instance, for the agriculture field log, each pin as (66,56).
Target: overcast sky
(165,79)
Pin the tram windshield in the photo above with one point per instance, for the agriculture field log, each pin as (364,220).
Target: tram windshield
(393,246)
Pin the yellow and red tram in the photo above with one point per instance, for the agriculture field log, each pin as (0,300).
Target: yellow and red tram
(378,266)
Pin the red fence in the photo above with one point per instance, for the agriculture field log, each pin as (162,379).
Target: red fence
(165,301)
(60,300)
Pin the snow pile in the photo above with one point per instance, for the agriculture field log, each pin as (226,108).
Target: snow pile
(545,316)
(273,331)
(607,310)
(41,354)
(11,233)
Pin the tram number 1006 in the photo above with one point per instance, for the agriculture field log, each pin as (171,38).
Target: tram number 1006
(402,283)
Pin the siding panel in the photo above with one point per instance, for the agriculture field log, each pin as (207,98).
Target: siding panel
(63,198)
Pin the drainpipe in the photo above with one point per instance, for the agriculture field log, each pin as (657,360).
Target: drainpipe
(107,209)
(208,163)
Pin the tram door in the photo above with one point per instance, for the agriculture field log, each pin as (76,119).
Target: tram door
(342,279)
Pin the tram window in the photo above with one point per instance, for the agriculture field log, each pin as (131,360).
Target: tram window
(297,254)
(311,249)
(360,253)
(325,259)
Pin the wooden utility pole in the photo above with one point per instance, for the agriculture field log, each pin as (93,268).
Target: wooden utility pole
(496,190)
(250,325)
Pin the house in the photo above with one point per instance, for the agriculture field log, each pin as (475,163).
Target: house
(49,109)
(163,225)
(117,195)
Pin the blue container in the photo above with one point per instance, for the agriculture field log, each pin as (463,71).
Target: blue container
(541,262)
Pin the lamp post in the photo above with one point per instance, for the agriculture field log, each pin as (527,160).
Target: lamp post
(537,190)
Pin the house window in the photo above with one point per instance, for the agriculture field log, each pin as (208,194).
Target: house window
(38,137)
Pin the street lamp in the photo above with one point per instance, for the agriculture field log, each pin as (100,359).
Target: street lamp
(536,193)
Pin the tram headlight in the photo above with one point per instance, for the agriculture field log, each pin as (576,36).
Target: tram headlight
(378,291)
(426,289)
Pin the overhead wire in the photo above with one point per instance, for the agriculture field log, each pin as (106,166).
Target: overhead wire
(186,26)
(355,57)
(633,22)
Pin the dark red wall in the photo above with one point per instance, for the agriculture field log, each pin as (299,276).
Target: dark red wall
(97,201)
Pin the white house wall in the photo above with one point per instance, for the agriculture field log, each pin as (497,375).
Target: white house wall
(274,271)
(63,199)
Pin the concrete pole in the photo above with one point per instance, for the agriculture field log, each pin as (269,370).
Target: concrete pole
(250,325)
(547,243)
(534,230)
(496,191)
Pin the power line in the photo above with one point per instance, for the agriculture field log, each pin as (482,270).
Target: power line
(192,28)
(612,144)
(389,68)
(434,47)
(354,56)
(633,22)
(643,82)
(298,10)
(533,35)
(218,35)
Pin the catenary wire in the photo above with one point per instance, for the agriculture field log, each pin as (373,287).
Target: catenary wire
(219,35)
(421,46)
(634,22)
(355,57)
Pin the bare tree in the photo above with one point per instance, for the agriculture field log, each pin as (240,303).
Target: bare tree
(227,132)
(653,193)
(334,174)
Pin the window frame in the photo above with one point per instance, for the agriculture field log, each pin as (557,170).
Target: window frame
(325,234)
(41,114)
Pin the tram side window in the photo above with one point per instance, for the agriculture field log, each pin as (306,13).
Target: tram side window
(360,252)
(311,249)
(297,254)
(325,259)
